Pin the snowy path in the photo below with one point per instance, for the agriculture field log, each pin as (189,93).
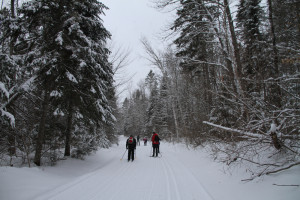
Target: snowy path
(147,178)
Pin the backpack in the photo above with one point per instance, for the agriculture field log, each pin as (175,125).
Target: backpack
(156,138)
(130,140)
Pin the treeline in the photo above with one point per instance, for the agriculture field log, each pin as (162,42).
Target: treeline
(56,83)
(229,81)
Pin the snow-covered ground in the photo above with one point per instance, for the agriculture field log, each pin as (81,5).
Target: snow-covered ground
(180,174)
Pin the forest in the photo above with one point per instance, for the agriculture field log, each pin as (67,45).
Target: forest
(229,81)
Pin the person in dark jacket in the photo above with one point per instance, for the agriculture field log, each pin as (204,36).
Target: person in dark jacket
(138,139)
(155,144)
(145,141)
(131,146)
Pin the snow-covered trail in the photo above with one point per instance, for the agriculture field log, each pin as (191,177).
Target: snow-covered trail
(146,178)
(182,173)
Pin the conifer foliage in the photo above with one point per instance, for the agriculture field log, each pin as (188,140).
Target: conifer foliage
(64,43)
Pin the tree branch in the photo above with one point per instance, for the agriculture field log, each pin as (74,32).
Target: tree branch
(235,130)
(284,168)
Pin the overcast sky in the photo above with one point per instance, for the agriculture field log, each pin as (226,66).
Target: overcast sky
(129,21)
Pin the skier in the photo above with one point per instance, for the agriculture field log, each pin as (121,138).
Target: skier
(138,140)
(131,145)
(155,144)
(145,141)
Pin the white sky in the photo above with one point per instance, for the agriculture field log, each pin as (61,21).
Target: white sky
(130,20)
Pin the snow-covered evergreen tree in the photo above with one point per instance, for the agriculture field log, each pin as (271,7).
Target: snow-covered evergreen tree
(70,60)
(13,76)
(11,73)
(152,113)
(164,108)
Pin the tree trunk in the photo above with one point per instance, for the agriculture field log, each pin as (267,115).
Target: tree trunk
(275,93)
(275,140)
(224,50)
(41,133)
(175,119)
(207,89)
(238,71)
(235,47)
(11,137)
(12,8)
(68,131)
(229,62)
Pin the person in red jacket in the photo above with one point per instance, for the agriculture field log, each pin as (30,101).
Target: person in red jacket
(155,144)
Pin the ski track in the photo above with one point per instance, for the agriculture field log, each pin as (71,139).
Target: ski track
(182,175)
(171,175)
(168,182)
(82,184)
(153,182)
(116,179)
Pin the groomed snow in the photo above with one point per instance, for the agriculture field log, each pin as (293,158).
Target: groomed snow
(180,174)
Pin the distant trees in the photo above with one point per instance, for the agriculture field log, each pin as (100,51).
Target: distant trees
(62,50)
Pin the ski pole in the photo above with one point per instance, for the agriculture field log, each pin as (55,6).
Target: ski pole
(123,154)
